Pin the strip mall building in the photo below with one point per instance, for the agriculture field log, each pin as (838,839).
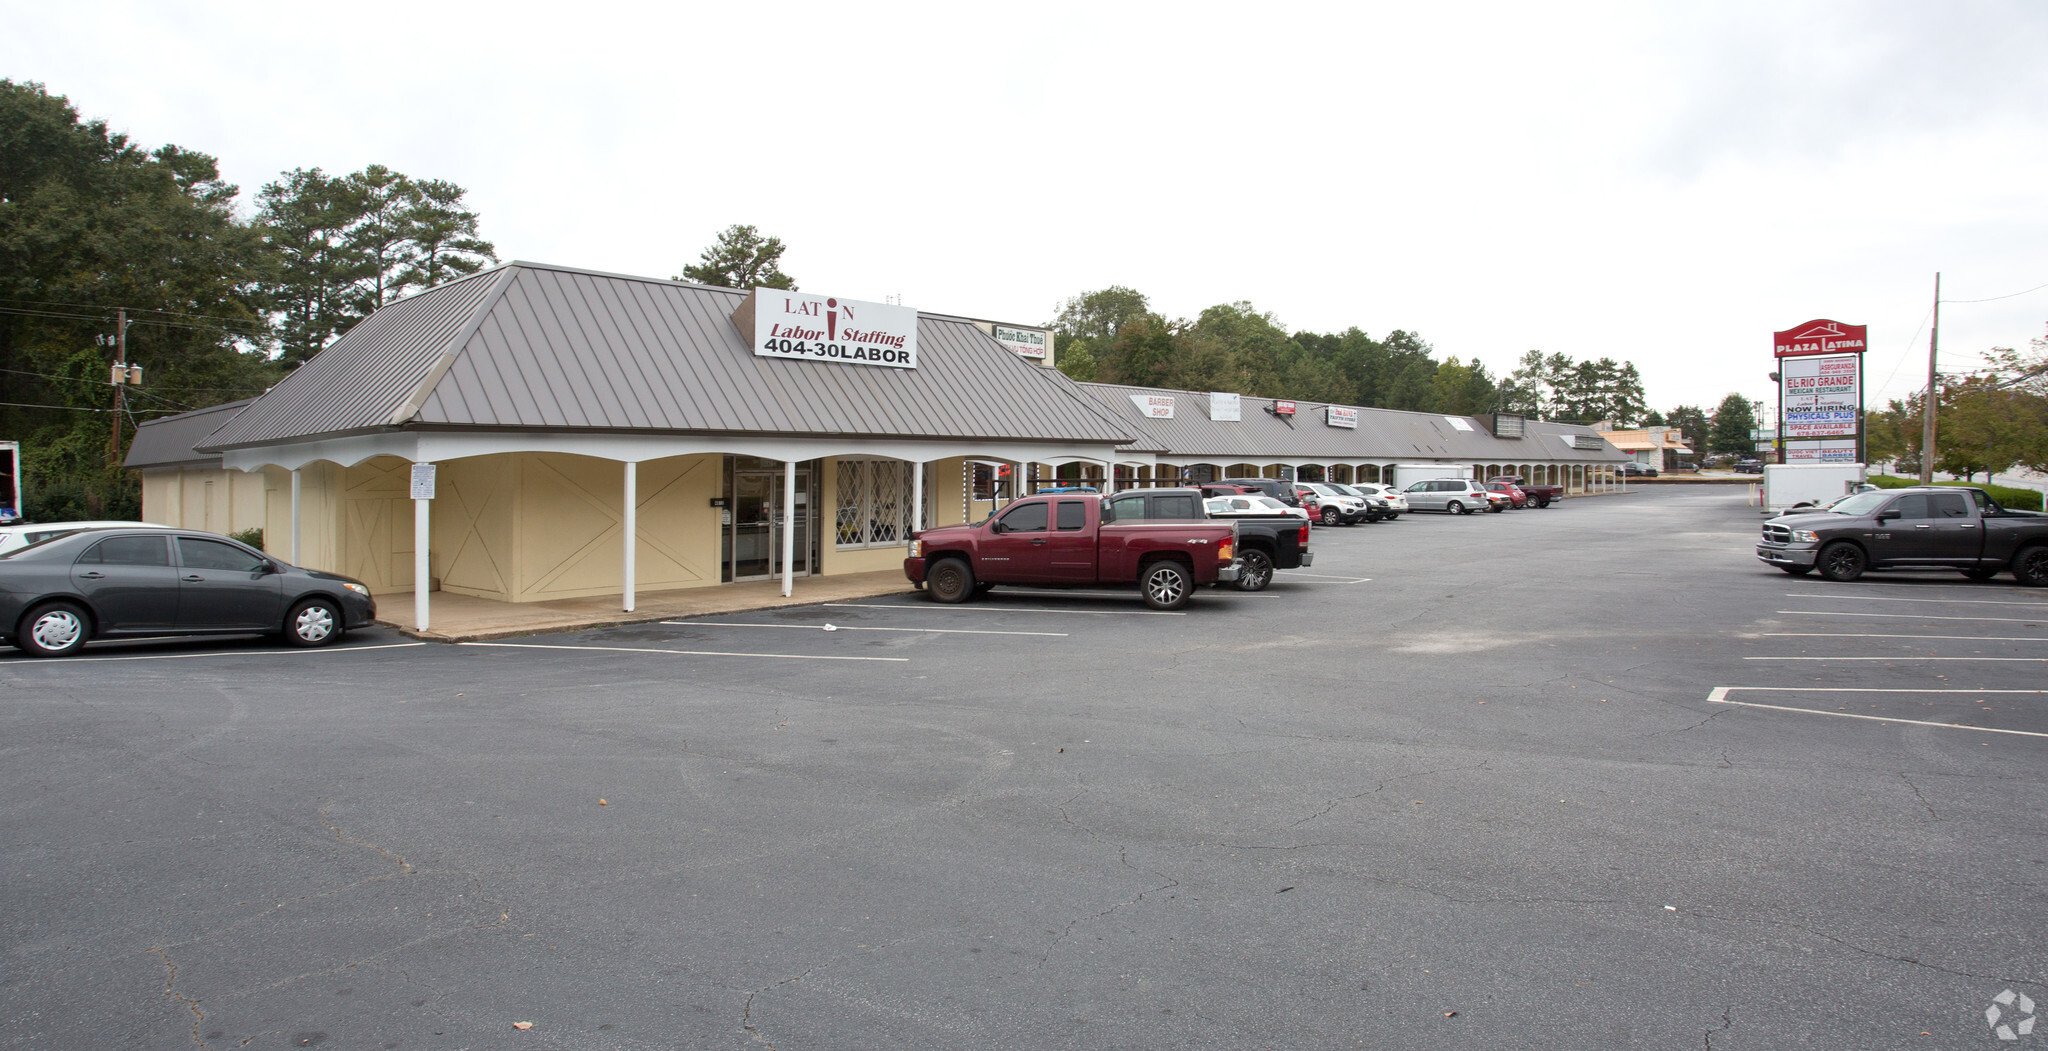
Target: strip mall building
(534,432)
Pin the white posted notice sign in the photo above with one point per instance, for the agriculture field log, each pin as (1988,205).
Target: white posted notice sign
(801,326)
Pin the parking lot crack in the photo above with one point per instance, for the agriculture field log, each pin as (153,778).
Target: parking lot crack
(747,1009)
(171,990)
(404,866)
(1381,786)
(1077,921)
(1727,1023)
(1878,953)
(1917,794)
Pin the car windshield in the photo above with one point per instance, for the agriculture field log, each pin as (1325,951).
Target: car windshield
(1859,503)
(1268,503)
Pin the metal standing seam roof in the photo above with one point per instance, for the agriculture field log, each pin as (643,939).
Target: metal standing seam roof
(168,441)
(1382,434)
(533,347)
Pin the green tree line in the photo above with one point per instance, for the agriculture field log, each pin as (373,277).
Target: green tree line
(220,304)
(1114,336)
(1989,420)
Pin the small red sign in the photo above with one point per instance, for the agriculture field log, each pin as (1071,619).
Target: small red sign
(1822,337)
(1284,408)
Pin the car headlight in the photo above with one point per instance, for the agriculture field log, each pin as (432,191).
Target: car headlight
(1805,536)
(357,588)
(917,549)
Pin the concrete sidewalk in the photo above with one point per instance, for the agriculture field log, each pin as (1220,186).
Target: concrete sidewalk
(464,618)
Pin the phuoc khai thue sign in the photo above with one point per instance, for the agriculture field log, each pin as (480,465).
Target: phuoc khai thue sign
(1027,342)
(801,326)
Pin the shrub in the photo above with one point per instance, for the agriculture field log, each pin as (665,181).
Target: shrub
(2006,495)
(253,536)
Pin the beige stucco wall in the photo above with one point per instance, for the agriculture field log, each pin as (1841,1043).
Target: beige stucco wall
(568,518)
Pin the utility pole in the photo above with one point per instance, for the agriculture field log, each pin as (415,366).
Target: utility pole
(120,377)
(1927,405)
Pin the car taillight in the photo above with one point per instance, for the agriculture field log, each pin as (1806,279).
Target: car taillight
(1304,535)
(1223,551)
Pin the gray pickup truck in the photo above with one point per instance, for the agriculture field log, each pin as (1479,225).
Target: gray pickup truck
(1924,527)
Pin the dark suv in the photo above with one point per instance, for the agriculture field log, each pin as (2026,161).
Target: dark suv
(1749,467)
(1273,487)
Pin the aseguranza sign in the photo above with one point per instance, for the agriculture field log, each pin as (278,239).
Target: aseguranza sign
(803,327)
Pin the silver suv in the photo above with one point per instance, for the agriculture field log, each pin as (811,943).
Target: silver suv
(1458,496)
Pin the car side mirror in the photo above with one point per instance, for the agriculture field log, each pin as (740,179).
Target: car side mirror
(1887,515)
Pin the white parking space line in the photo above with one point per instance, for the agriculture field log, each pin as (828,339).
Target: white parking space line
(1912,616)
(240,653)
(1962,638)
(1948,601)
(1720,696)
(1722,691)
(1295,577)
(1006,609)
(2030,660)
(844,627)
(685,653)
(1973,588)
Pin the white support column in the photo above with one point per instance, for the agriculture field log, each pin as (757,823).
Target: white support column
(295,515)
(916,496)
(632,530)
(788,526)
(421,578)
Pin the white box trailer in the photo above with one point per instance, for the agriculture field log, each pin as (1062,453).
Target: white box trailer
(1407,474)
(1793,485)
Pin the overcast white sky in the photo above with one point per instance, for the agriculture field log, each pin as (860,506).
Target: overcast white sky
(1655,182)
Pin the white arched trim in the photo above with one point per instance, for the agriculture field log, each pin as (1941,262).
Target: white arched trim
(439,446)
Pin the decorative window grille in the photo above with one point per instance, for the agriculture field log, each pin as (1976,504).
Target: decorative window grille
(874,503)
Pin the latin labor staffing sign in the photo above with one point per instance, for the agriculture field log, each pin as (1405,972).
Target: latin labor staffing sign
(804,327)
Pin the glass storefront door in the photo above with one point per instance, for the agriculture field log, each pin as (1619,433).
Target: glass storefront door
(753,542)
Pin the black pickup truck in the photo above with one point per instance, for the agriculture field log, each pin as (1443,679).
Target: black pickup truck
(1924,527)
(1264,542)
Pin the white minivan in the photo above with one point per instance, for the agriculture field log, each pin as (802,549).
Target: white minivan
(1457,496)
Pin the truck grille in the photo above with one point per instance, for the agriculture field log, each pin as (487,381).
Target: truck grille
(1777,534)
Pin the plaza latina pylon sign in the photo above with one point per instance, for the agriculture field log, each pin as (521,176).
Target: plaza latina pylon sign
(1820,391)
(799,326)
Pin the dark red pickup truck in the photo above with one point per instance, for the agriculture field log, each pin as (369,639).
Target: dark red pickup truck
(1540,495)
(1062,541)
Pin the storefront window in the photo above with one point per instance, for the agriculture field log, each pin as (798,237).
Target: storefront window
(874,503)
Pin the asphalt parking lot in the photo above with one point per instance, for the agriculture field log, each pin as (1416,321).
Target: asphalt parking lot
(1589,776)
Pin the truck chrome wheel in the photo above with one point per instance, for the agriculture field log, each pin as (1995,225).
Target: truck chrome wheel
(1166,585)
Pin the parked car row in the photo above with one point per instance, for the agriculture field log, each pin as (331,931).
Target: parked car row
(80,581)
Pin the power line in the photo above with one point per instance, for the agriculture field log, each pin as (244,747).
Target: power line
(1995,299)
(177,390)
(96,306)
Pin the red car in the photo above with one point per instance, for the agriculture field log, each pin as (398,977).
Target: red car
(1516,497)
(1310,502)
